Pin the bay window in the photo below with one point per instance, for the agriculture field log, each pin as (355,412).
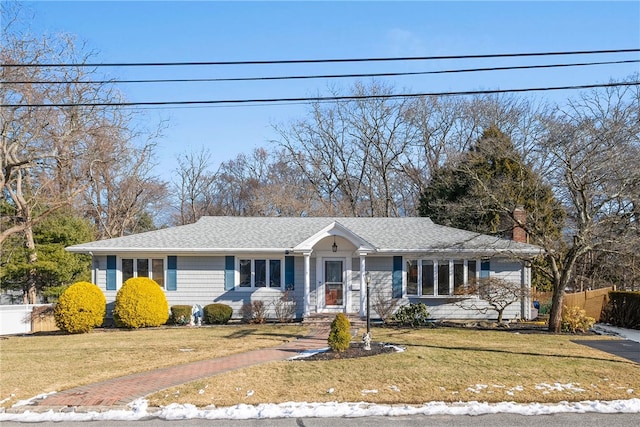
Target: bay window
(428,277)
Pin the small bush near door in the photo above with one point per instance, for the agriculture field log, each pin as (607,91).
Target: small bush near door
(340,334)
(217,314)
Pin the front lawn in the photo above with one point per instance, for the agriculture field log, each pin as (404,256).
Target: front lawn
(42,363)
(443,364)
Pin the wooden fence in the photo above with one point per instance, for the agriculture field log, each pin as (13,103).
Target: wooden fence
(590,301)
(25,318)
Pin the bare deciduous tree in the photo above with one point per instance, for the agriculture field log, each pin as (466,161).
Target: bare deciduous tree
(49,154)
(495,293)
(194,186)
(592,154)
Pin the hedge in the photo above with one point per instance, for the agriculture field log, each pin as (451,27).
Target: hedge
(623,309)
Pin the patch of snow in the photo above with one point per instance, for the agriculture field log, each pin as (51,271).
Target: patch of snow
(477,388)
(139,410)
(27,402)
(308,353)
(558,387)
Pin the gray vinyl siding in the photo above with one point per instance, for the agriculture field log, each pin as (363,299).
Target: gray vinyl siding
(354,288)
(442,308)
(381,271)
(200,280)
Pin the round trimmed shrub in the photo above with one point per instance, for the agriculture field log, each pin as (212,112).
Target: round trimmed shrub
(340,334)
(80,308)
(140,303)
(217,314)
(180,314)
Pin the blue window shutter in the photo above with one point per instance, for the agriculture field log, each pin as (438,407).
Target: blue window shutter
(229,272)
(111,272)
(485,268)
(289,273)
(172,273)
(397,277)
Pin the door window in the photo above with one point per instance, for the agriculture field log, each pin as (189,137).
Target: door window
(334,289)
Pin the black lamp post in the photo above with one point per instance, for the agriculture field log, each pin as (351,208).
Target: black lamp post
(368,279)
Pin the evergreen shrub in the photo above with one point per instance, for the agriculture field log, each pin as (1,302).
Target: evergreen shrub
(340,334)
(217,314)
(623,309)
(140,303)
(80,308)
(180,314)
(413,315)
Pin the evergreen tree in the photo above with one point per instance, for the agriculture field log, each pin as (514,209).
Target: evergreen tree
(480,190)
(55,268)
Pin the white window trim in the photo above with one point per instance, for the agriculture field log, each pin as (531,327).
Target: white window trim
(253,273)
(436,263)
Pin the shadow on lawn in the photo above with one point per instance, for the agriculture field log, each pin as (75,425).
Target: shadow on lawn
(245,332)
(523,353)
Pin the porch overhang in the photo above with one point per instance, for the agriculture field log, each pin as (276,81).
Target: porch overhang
(334,229)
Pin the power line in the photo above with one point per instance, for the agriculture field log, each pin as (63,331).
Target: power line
(334,76)
(318,99)
(316,61)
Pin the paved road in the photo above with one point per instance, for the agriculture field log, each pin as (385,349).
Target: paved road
(494,420)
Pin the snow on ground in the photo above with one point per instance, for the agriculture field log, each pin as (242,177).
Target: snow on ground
(139,409)
(606,329)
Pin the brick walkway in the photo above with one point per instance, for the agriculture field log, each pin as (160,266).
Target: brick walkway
(123,390)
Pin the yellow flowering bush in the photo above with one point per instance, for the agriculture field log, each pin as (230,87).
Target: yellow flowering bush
(80,308)
(575,319)
(140,303)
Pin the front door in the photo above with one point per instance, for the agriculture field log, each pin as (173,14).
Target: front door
(333,283)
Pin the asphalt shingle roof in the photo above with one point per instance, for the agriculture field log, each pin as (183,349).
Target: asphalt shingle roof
(225,234)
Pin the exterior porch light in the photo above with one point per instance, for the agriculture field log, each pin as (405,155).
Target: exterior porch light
(334,247)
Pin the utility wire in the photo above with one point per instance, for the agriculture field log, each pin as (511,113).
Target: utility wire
(319,99)
(317,61)
(333,76)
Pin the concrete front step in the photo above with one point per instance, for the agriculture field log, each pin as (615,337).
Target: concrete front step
(325,319)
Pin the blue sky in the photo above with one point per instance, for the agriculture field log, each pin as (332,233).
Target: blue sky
(166,31)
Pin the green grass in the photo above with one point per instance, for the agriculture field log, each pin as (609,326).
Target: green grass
(443,364)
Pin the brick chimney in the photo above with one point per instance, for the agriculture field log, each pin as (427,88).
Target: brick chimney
(520,218)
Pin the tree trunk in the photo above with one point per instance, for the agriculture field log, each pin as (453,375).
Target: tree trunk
(33,258)
(555,316)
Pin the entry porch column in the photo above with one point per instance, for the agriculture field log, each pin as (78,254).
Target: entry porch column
(307,284)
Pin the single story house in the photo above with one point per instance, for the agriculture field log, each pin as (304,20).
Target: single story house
(325,263)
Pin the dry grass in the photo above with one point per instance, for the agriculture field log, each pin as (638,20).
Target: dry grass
(439,365)
(42,363)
